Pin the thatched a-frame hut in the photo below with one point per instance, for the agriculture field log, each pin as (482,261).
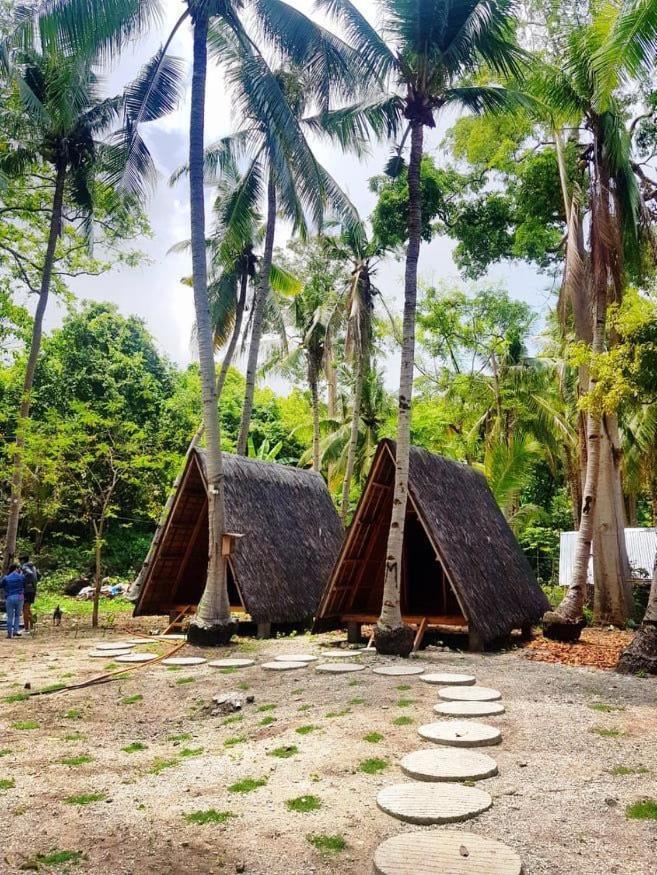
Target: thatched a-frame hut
(462,568)
(288,537)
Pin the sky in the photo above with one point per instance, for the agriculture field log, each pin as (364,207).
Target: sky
(154,290)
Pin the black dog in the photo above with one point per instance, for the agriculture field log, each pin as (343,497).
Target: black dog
(57,616)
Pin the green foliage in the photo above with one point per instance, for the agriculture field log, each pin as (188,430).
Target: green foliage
(328,844)
(248,785)
(134,747)
(646,810)
(284,752)
(209,816)
(305,730)
(304,804)
(373,737)
(373,766)
(85,798)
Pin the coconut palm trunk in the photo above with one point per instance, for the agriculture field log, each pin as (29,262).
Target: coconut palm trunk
(259,305)
(211,624)
(361,371)
(391,636)
(13,517)
(314,398)
(237,329)
(641,655)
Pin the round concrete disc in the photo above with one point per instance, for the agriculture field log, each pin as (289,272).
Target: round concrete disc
(106,654)
(339,667)
(461,733)
(136,657)
(135,641)
(445,679)
(337,653)
(296,657)
(398,671)
(446,851)
(184,660)
(173,637)
(283,666)
(469,694)
(469,709)
(433,803)
(231,663)
(117,645)
(447,764)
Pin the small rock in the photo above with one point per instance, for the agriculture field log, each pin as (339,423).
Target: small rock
(522,764)
(240,867)
(611,801)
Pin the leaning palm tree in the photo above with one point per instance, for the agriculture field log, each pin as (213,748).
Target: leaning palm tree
(87,144)
(425,49)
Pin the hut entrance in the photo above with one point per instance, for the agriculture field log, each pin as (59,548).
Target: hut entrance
(425,589)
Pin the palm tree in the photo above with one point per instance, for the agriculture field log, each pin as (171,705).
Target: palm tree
(88,144)
(430,48)
(585,92)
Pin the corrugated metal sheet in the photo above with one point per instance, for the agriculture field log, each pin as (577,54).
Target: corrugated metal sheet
(641,548)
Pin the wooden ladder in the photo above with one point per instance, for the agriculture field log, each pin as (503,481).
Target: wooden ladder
(176,625)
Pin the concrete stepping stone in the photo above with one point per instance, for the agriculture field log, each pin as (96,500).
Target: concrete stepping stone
(283,666)
(448,764)
(339,667)
(106,654)
(296,657)
(469,694)
(446,679)
(184,660)
(116,645)
(461,733)
(231,663)
(469,709)
(136,657)
(398,671)
(433,803)
(445,851)
(175,636)
(337,653)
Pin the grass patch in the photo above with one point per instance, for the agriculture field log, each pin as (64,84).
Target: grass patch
(243,686)
(622,771)
(52,688)
(603,732)
(342,713)
(111,666)
(134,746)
(25,725)
(73,714)
(267,721)
(16,697)
(235,739)
(328,844)
(236,718)
(285,752)
(403,688)
(75,761)
(209,816)
(373,766)
(5,752)
(306,730)
(303,708)
(85,798)
(74,736)
(646,810)
(248,785)
(355,683)
(228,670)
(373,737)
(191,752)
(161,764)
(54,858)
(404,703)
(304,804)
(402,721)
(186,680)
(263,708)
(356,701)
(174,667)
(604,708)
(7,783)
(183,736)
(131,700)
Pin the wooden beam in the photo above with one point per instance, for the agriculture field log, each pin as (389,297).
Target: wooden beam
(189,548)
(422,628)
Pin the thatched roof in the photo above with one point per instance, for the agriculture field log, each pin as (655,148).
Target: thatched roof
(278,569)
(481,559)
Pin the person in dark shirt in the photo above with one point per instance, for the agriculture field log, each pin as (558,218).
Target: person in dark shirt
(31,578)
(13,584)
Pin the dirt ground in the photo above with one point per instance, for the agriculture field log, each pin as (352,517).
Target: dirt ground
(579,745)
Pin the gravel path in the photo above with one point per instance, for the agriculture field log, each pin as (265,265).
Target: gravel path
(556,799)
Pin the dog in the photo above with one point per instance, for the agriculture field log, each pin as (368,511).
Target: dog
(57,616)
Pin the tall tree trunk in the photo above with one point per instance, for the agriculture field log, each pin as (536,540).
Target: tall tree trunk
(14,513)
(258,316)
(211,625)
(612,602)
(353,434)
(331,377)
(641,655)
(566,623)
(314,395)
(237,328)
(391,636)
(98,546)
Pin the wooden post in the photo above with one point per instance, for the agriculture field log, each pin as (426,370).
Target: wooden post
(353,632)
(422,628)
(264,630)
(474,641)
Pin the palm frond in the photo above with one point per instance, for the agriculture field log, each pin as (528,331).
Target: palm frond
(378,117)
(360,34)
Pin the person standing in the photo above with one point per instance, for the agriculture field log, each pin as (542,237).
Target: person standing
(13,584)
(31,576)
